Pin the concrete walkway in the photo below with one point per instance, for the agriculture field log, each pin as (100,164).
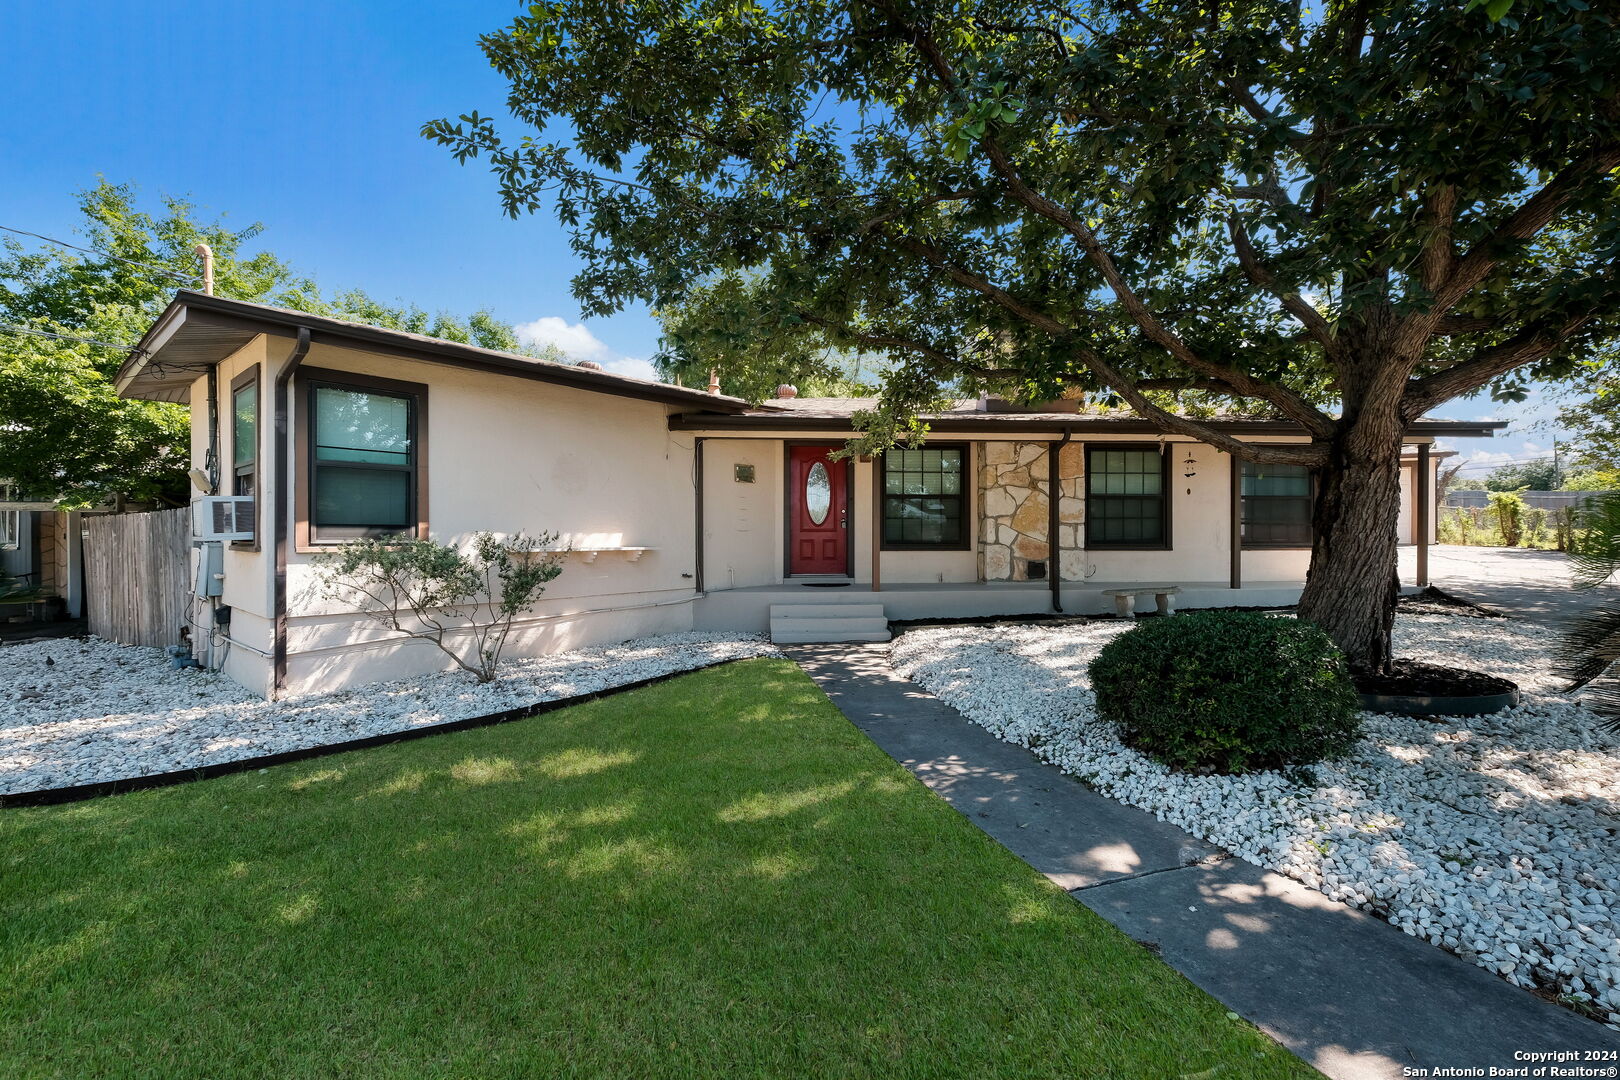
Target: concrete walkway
(1515,581)
(1348,993)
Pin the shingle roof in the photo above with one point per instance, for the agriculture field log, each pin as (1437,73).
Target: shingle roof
(197,331)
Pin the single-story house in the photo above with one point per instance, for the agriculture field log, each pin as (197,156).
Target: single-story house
(682,509)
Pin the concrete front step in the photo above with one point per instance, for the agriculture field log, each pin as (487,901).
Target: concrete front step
(828,611)
(822,637)
(824,623)
(852,625)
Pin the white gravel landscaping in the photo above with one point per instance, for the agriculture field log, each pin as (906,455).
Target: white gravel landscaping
(87,711)
(1494,836)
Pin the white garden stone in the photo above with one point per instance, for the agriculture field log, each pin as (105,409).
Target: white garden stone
(1497,836)
(99,711)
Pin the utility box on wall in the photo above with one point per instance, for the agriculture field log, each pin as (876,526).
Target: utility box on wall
(210,569)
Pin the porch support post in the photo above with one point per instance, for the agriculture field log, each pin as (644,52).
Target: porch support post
(1236,522)
(1054,547)
(877,523)
(1425,510)
(697,515)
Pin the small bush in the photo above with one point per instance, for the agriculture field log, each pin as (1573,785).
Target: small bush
(1508,510)
(1227,692)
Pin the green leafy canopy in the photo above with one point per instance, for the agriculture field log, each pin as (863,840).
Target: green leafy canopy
(1298,205)
(64,431)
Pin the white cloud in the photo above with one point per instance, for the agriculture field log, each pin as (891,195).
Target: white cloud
(575,341)
(630,365)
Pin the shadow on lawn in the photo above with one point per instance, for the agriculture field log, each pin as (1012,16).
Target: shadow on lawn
(729,881)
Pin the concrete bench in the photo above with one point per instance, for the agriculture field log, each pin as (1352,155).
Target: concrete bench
(1125,599)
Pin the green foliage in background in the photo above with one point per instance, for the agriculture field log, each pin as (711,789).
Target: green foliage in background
(64,431)
(1507,509)
(723,326)
(1542,474)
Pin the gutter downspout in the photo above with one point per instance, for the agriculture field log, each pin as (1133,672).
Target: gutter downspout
(206,254)
(284,509)
(211,459)
(697,514)
(1054,483)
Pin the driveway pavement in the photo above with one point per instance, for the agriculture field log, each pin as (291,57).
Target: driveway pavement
(1514,581)
(1349,994)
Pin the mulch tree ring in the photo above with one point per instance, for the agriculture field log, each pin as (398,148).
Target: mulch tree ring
(1436,601)
(1414,688)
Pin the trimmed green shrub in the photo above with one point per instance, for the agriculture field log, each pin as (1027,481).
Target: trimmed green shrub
(1227,692)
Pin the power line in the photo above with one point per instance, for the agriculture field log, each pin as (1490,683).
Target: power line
(193,278)
(1506,461)
(11,328)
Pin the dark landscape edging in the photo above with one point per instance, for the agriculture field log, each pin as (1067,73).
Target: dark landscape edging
(81,792)
(1435,705)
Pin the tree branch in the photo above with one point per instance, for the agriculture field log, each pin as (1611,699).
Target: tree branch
(1113,379)
(1439,257)
(1292,302)
(1313,454)
(1466,324)
(1529,219)
(893,341)
(1529,345)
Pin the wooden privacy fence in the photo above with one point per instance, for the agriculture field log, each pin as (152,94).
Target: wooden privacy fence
(137,576)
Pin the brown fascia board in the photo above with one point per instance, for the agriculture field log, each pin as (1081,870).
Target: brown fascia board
(192,308)
(1011,424)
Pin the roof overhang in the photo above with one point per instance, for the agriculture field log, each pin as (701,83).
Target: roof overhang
(1013,424)
(197,332)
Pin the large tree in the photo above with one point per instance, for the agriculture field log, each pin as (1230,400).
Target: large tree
(68,315)
(1349,212)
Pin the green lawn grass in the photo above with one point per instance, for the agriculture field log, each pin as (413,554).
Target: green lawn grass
(715,875)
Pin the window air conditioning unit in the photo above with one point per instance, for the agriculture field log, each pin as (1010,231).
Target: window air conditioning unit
(223,517)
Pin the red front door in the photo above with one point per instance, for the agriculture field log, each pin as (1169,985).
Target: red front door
(818,511)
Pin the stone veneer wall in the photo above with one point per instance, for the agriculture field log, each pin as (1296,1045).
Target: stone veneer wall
(1013,491)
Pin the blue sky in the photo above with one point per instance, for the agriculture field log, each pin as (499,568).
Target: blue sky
(304,115)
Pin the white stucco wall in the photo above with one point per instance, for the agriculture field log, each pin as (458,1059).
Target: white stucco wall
(744,524)
(505,455)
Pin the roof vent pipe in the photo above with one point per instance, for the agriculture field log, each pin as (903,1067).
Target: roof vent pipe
(714,380)
(787,390)
(207,254)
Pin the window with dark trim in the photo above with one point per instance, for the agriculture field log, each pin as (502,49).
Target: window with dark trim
(245,432)
(1276,505)
(363,455)
(924,501)
(1127,497)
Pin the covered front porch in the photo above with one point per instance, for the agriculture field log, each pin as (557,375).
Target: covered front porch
(749,608)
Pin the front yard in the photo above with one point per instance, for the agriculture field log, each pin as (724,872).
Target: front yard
(1496,837)
(714,875)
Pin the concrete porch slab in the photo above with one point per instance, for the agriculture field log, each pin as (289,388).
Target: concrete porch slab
(748,609)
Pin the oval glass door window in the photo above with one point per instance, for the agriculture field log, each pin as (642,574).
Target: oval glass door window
(817,493)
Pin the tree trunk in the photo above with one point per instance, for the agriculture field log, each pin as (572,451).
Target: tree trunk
(1354,577)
